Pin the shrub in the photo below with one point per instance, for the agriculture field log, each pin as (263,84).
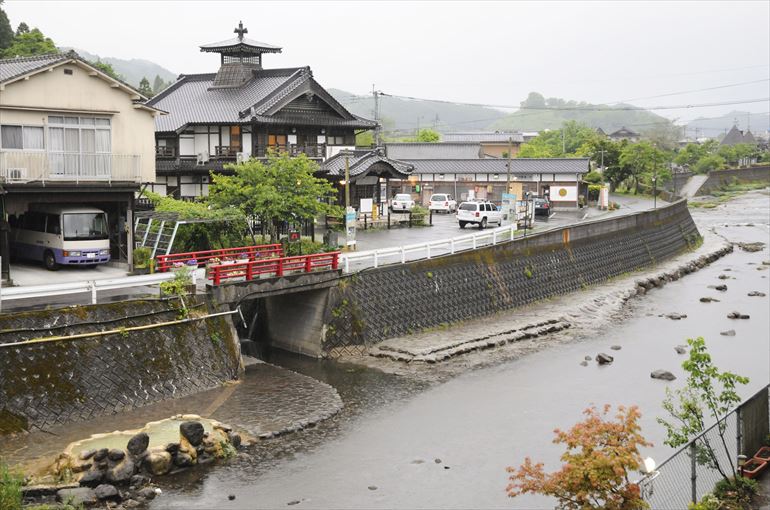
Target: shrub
(593,177)
(10,489)
(177,286)
(142,256)
(419,215)
(306,246)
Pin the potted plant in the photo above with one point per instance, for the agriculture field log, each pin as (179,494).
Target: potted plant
(211,262)
(753,467)
(763,454)
(142,260)
(192,263)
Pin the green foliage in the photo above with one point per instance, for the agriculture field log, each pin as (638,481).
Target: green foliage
(708,395)
(365,139)
(306,246)
(708,502)
(158,84)
(23,28)
(30,43)
(420,215)
(142,256)
(708,163)
(10,488)
(593,191)
(643,161)
(282,189)
(107,69)
(428,135)
(144,87)
(733,494)
(228,450)
(6,32)
(528,272)
(565,142)
(227,227)
(177,286)
(593,177)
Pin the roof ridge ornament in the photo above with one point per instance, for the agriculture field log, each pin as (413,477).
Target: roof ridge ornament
(240,30)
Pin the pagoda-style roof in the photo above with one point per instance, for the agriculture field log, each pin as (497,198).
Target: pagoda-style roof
(362,163)
(240,45)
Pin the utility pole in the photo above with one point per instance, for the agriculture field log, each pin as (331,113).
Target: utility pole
(347,183)
(377,128)
(508,179)
(563,144)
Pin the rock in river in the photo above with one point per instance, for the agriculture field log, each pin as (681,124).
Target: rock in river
(663,374)
(681,349)
(192,431)
(604,359)
(106,491)
(675,316)
(729,332)
(616,347)
(756,293)
(708,300)
(737,315)
(138,444)
(77,496)
(720,288)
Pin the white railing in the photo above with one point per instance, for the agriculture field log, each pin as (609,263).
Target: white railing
(354,261)
(91,286)
(41,166)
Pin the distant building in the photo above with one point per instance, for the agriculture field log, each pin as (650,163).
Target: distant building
(624,134)
(600,132)
(735,136)
(72,135)
(439,150)
(244,111)
(493,144)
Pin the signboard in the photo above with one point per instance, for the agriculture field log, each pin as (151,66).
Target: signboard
(563,194)
(508,207)
(350,227)
(294,236)
(366,205)
(604,198)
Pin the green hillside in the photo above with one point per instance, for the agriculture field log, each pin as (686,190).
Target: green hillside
(401,116)
(715,126)
(539,113)
(132,70)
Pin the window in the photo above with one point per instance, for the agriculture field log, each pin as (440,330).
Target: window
(335,140)
(80,145)
(22,137)
(68,72)
(52,224)
(85,226)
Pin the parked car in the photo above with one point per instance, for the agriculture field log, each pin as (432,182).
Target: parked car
(542,207)
(442,202)
(402,202)
(479,213)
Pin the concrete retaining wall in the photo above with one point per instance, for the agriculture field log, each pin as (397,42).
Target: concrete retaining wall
(397,300)
(719,178)
(51,383)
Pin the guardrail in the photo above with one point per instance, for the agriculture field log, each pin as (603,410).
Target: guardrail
(429,249)
(248,253)
(90,286)
(274,267)
(40,166)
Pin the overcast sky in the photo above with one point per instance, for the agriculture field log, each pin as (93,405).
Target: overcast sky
(479,52)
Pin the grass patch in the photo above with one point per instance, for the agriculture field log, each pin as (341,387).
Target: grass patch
(10,488)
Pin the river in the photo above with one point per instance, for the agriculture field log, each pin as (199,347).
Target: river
(401,443)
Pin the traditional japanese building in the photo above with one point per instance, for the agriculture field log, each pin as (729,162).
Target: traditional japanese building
(244,110)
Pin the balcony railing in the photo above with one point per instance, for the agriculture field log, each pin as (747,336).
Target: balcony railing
(165,151)
(23,166)
(310,150)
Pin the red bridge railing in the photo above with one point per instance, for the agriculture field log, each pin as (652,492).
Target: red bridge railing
(201,258)
(274,267)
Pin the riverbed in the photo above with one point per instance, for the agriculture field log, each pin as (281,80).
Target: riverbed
(402,442)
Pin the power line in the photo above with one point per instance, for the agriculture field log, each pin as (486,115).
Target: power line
(691,91)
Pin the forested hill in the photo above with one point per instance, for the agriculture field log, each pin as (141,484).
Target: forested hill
(539,113)
(131,70)
(403,114)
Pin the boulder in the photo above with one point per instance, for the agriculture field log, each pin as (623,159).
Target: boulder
(101,454)
(172,448)
(106,491)
(183,460)
(192,431)
(604,359)
(675,316)
(147,493)
(122,472)
(737,315)
(616,347)
(729,332)
(158,462)
(681,349)
(116,455)
(138,444)
(86,454)
(708,300)
(235,439)
(91,478)
(139,481)
(131,503)
(662,374)
(756,293)
(584,363)
(720,288)
(723,277)
(77,496)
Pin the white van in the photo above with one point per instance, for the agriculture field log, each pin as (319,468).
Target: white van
(61,235)
(479,213)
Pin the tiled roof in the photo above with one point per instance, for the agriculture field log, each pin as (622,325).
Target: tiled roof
(14,67)
(189,100)
(192,100)
(624,131)
(736,136)
(441,150)
(360,161)
(499,166)
(236,42)
(482,136)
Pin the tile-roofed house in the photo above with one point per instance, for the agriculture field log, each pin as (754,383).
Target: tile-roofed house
(439,150)
(71,135)
(735,136)
(244,110)
(624,134)
(494,144)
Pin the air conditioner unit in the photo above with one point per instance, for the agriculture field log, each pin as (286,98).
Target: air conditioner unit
(239,157)
(203,157)
(16,174)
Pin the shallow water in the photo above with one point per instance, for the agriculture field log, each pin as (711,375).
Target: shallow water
(392,428)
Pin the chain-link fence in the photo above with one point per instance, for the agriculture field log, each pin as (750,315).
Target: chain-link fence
(693,471)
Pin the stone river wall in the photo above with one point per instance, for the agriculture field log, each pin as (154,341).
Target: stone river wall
(719,178)
(392,301)
(44,384)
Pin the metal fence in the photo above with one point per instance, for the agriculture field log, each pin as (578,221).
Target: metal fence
(690,473)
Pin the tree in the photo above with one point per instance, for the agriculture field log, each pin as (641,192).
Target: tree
(158,84)
(23,28)
(534,100)
(708,163)
(6,32)
(600,454)
(283,189)
(428,135)
(29,44)
(365,139)
(144,88)
(708,394)
(565,142)
(643,160)
(106,69)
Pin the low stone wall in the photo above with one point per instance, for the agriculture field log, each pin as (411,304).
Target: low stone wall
(48,383)
(397,300)
(719,178)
